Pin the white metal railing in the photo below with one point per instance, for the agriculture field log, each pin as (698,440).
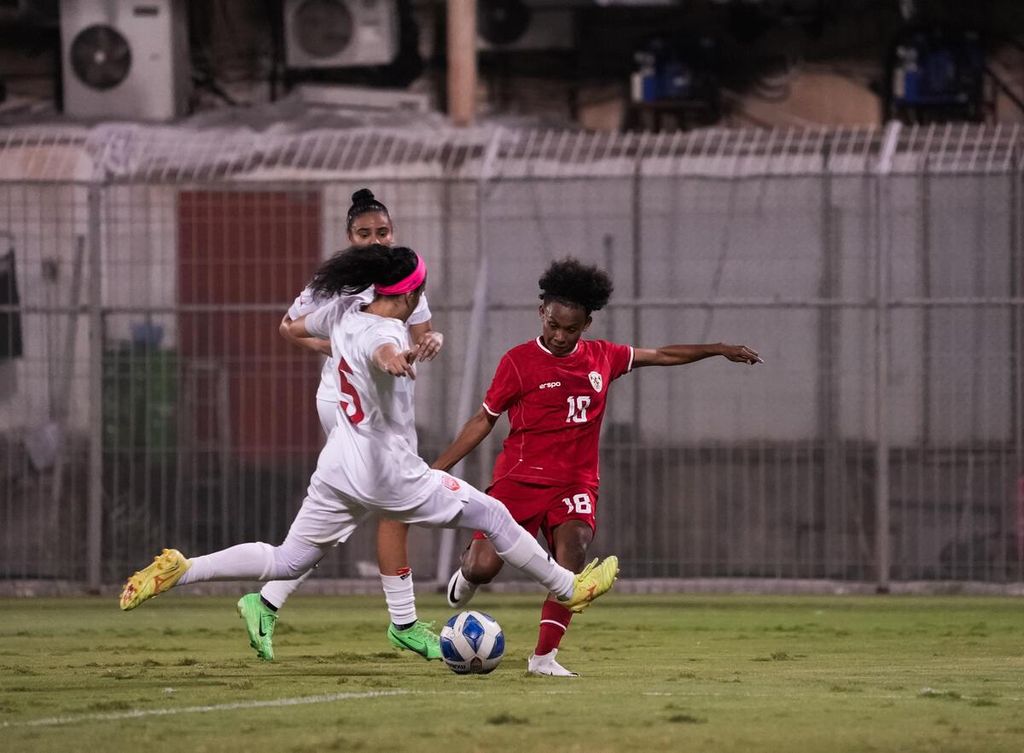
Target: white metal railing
(151,154)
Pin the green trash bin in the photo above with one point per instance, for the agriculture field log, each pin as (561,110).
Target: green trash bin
(140,399)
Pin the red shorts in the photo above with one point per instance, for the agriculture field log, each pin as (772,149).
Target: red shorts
(544,508)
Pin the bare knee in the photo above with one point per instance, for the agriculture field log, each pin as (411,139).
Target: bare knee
(572,539)
(480,562)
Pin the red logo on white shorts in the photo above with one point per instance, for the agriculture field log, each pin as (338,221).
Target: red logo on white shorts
(451,483)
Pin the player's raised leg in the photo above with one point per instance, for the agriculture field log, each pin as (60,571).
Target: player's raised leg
(480,562)
(252,561)
(324,520)
(518,548)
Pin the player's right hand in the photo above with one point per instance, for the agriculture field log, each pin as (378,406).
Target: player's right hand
(400,365)
(397,363)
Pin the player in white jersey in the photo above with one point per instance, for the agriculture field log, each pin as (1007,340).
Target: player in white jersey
(368,221)
(369,464)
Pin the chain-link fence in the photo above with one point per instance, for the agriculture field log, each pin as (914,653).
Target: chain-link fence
(146,399)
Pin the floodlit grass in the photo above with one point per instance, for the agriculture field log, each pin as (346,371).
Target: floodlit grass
(660,673)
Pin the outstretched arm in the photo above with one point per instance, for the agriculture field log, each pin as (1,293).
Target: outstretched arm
(676,355)
(472,434)
(309,343)
(427,340)
(386,358)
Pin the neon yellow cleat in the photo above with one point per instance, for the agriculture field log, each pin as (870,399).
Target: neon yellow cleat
(165,570)
(595,580)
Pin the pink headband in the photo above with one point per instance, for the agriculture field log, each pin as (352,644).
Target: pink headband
(406,284)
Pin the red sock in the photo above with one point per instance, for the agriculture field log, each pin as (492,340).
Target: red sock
(554,621)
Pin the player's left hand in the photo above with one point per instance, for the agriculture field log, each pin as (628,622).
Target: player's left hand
(741,354)
(429,346)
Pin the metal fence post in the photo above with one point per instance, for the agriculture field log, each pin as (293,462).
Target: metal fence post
(636,236)
(474,342)
(883,539)
(829,385)
(1017,343)
(94,518)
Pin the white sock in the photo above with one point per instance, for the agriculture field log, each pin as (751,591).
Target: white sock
(276,592)
(522,551)
(254,561)
(401,599)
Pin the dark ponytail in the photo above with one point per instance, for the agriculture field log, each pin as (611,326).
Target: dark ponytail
(357,268)
(363,201)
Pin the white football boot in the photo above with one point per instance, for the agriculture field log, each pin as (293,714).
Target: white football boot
(460,590)
(546,665)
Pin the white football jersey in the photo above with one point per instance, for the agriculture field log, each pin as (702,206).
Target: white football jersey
(306,303)
(371,453)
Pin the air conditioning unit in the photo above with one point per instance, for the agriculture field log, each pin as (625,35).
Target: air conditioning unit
(514,25)
(340,33)
(125,58)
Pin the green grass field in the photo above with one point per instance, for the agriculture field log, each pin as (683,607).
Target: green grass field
(660,673)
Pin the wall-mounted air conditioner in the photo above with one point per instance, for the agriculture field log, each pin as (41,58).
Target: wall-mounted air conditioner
(125,58)
(515,25)
(340,33)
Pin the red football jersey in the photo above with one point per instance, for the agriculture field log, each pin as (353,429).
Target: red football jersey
(555,408)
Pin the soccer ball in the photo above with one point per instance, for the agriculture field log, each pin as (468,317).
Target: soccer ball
(472,643)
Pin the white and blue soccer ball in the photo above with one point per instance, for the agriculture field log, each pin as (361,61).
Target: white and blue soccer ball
(472,643)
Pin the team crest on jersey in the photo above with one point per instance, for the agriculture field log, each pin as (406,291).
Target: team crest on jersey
(595,381)
(451,483)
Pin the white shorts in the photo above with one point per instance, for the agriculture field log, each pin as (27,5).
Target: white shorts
(330,516)
(328,412)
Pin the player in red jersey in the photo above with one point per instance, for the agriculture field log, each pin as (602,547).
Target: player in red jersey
(554,390)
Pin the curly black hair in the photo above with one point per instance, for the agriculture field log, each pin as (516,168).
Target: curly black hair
(573,283)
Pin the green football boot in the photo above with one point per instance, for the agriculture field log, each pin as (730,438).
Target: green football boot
(419,639)
(259,623)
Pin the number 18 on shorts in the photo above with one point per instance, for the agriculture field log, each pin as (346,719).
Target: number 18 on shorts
(544,508)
